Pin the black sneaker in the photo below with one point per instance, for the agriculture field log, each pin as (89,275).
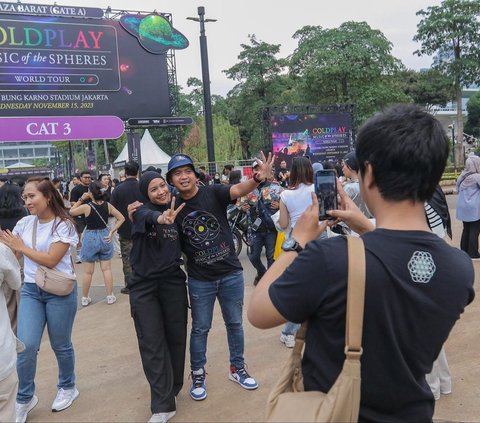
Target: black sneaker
(125,290)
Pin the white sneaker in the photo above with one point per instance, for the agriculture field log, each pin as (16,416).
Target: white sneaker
(86,301)
(161,417)
(22,410)
(111,299)
(288,340)
(64,399)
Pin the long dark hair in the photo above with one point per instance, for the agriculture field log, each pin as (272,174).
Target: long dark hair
(54,200)
(301,172)
(11,201)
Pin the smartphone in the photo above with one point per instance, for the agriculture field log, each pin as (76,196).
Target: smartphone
(256,224)
(325,182)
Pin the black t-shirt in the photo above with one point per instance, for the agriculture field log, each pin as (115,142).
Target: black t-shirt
(124,194)
(77,192)
(416,288)
(279,173)
(155,247)
(206,236)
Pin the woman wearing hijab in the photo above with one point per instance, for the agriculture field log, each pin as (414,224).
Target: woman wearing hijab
(468,206)
(158,295)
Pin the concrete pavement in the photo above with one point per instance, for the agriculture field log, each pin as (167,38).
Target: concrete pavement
(113,387)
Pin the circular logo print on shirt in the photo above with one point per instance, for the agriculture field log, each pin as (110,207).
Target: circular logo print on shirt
(421,267)
(201,228)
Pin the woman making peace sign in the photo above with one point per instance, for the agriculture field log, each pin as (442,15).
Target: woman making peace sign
(158,295)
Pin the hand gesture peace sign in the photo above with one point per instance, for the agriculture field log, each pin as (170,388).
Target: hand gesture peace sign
(265,164)
(169,215)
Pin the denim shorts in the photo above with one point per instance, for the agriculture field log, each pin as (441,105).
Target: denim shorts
(94,246)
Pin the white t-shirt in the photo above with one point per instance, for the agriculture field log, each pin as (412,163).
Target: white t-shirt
(65,232)
(297,200)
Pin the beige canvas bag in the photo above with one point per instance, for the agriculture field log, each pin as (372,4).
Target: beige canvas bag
(50,280)
(288,402)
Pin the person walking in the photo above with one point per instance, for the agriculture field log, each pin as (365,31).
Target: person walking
(293,202)
(51,230)
(158,295)
(468,206)
(78,190)
(97,240)
(263,204)
(124,194)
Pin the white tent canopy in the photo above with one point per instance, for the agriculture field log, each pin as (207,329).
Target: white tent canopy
(19,165)
(152,154)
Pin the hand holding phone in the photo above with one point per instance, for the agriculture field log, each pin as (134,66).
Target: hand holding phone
(325,182)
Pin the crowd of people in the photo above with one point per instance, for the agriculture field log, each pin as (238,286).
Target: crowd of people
(416,284)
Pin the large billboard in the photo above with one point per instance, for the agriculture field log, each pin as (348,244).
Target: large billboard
(58,66)
(320,136)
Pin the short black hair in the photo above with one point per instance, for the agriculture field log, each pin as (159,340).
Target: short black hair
(131,168)
(85,172)
(407,149)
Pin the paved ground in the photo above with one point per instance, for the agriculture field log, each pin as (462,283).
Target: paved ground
(113,387)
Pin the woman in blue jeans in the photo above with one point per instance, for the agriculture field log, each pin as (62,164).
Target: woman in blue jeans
(55,234)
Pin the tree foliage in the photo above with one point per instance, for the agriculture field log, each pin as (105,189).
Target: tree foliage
(453,31)
(226,141)
(426,88)
(259,74)
(472,126)
(349,64)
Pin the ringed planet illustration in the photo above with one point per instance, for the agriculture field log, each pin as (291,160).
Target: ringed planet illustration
(154,33)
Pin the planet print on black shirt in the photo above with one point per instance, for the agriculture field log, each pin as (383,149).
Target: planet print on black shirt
(201,228)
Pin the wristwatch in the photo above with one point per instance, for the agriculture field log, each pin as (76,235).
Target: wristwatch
(291,244)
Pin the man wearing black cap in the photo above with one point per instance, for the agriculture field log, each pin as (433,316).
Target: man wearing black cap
(126,193)
(352,188)
(213,268)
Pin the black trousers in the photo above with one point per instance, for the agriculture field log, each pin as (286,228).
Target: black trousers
(159,311)
(469,240)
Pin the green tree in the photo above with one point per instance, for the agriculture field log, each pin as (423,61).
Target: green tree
(349,64)
(453,28)
(226,140)
(472,126)
(426,88)
(257,72)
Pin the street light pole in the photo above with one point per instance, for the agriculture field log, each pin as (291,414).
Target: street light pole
(207,98)
(452,127)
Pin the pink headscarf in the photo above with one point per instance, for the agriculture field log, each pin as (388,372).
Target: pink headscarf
(471,174)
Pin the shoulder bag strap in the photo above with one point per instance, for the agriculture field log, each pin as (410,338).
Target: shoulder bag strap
(34,233)
(355,298)
(99,215)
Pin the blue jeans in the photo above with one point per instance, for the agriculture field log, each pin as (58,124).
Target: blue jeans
(259,240)
(229,291)
(37,309)
(290,328)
